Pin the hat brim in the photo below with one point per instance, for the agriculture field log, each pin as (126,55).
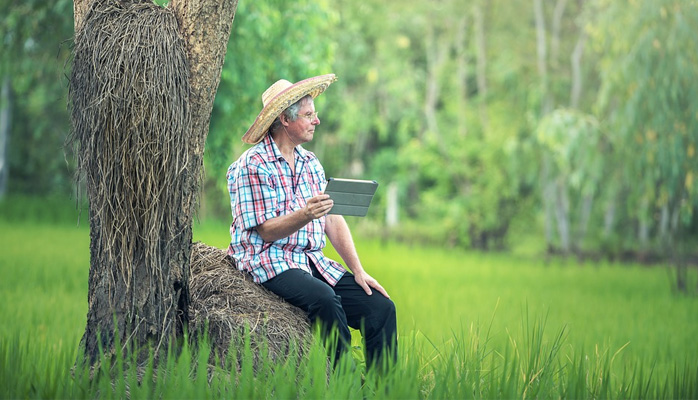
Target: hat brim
(312,86)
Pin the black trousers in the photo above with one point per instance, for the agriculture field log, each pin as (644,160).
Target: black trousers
(342,306)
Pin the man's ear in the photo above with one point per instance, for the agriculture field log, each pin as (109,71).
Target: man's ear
(284,119)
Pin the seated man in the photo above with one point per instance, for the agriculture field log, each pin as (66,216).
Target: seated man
(280,219)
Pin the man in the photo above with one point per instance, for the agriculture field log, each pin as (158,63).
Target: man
(280,219)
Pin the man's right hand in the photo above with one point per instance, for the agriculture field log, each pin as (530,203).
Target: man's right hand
(280,227)
(318,206)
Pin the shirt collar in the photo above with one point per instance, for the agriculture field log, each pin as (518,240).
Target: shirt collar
(272,152)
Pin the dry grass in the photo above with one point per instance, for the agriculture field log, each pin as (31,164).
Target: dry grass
(229,301)
(129,98)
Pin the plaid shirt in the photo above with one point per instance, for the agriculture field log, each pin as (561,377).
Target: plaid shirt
(261,187)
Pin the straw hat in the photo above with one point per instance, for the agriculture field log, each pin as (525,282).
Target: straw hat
(279,97)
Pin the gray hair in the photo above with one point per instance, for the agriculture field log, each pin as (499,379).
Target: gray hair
(291,112)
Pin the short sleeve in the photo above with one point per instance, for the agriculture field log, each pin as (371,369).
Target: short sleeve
(257,200)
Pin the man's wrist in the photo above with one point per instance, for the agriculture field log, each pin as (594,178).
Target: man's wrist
(356,269)
(305,215)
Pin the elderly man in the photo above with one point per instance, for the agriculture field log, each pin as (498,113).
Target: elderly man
(280,219)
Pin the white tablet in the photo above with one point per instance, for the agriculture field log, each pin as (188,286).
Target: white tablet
(350,196)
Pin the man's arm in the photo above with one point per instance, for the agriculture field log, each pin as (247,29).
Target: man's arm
(339,234)
(285,225)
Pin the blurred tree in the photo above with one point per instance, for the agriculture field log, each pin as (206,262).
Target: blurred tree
(560,31)
(572,143)
(649,99)
(376,103)
(419,90)
(34,119)
(462,109)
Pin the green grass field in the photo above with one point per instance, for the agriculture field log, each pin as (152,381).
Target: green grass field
(470,325)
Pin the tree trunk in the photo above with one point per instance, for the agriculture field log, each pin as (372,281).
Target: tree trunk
(481,63)
(558,12)
(583,224)
(138,292)
(392,209)
(205,26)
(643,230)
(462,73)
(562,211)
(548,189)
(548,185)
(575,94)
(609,216)
(680,264)
(5,126)
(542,52)
(436,56)
(576,62)
(663,223)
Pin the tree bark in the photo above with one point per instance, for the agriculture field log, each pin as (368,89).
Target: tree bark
(150,309)
(205,26)
(80,8)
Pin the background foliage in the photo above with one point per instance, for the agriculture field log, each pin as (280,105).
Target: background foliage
(486,122)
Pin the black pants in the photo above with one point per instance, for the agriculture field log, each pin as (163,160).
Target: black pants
(342,306)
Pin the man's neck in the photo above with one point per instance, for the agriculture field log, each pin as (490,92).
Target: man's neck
(286,147)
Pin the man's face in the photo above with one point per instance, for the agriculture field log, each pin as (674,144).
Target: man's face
(303,128)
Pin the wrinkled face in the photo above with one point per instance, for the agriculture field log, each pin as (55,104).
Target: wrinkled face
(303,128)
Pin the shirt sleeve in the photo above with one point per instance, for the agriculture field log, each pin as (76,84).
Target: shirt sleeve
(257,200)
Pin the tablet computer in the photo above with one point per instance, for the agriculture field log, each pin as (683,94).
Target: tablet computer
(350,196)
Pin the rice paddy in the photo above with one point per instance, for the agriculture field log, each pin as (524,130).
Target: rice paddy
(471,325)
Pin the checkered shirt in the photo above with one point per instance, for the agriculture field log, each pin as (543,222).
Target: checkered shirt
(261,187)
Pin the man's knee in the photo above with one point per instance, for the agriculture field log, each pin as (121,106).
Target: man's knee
(326,303)
(382,317)
(386,309)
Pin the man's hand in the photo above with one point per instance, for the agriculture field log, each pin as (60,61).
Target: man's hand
(337,231)
(367,282)
(318,206)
